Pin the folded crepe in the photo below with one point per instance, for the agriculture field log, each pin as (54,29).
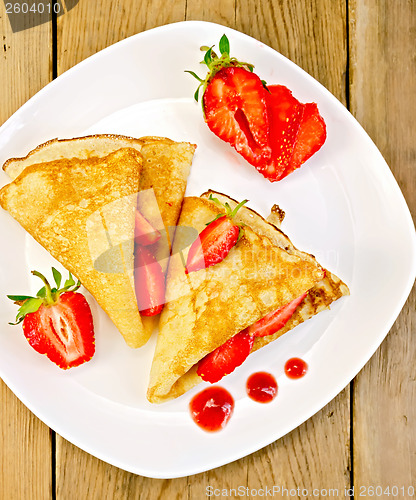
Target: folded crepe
(75,208)
(261,273)
(165,168)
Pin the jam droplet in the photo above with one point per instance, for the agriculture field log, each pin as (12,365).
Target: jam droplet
(212,408)
(295,368)
(262,387)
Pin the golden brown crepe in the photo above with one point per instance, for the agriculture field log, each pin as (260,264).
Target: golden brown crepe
(204,309)
(162,184)
(77,208)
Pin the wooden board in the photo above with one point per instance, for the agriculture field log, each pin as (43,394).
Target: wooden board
(383,98)
(25,442)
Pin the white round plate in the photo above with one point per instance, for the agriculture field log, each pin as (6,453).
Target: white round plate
(343,205)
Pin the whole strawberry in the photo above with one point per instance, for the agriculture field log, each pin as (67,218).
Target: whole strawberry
(57,322)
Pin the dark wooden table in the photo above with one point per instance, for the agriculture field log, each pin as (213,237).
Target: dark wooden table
(364,52)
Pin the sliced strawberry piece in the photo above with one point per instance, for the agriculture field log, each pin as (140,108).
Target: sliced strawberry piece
(297,131)
(226,358)
(274,321)
(311,136)
(149,282)
(58,322)
(63,331)
(285,116)
(213,244)
(144,233)
(235,110)
(216,240)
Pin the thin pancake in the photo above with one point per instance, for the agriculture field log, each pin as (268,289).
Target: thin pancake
(73,208)
(207,307)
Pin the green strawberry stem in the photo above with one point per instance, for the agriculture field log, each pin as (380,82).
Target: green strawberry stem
(228,210)
(50,297)
(46,295)
(230,213)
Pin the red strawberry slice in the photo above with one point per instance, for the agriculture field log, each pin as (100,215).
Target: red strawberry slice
(213,244)
(149,282)
(215,241)
(144,233)
(226,358)
(274,321)
(297,131)
(311,136)
(235,110)
(285,116)
(58,322)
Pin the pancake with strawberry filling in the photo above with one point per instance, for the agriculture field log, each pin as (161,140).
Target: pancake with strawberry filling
(216,315)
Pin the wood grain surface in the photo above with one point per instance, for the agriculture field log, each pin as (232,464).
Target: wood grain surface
(383,91)
(356,50)
(25,442)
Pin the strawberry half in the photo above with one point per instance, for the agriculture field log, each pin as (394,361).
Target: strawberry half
(216,240)
(274,321)
(234,104)
(149,282)
(235,111)
(58,322)
(285,114)
(226,358)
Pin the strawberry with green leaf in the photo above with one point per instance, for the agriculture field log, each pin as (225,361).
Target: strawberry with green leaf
(234,104)
(58,321)
(216,240)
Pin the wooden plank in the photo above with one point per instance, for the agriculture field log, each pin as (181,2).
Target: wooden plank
(383,83)
(311,34)
(217,11)
(79,475)
(83,31)
(92,26)
(26,458)
(313,457)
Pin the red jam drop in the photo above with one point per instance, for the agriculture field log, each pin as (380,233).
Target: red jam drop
(262,387)
(295,368)
(212,408)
